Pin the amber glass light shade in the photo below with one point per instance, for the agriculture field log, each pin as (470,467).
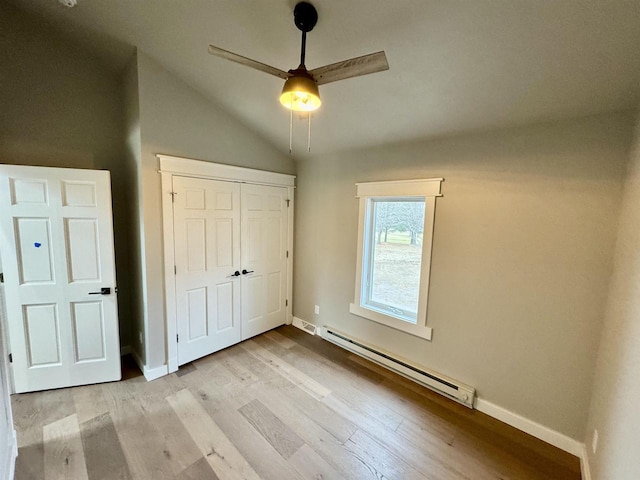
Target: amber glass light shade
(300,92)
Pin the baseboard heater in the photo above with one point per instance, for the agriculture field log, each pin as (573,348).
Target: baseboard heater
(442,384)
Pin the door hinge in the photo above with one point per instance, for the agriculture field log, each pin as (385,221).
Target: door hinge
(173,196)
(286,303)
(175,270)
(177,338)
(287,253)
(10,358)
(288,202)
(1,277)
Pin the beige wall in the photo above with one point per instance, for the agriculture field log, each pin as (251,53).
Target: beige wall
(522,255)
(133,155)
(60,107)
(177,120)
(614,407)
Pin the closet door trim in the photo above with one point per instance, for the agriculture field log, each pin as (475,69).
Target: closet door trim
(187,167)
(170,166)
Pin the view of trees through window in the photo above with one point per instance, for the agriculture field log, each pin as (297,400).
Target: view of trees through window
(396,237)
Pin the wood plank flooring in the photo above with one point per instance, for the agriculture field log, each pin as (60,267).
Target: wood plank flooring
(283,405)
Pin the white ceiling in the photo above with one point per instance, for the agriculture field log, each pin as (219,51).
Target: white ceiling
(455,66)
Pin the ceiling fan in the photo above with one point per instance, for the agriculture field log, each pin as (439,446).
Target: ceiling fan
(300,91)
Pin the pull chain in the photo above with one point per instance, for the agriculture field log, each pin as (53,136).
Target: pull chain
(309,135)
(290,132)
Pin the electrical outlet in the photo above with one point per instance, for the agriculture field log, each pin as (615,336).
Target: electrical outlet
(594,441)
(140,338)
(316,310)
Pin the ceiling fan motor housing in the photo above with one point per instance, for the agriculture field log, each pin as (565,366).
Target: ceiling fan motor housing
(305,16)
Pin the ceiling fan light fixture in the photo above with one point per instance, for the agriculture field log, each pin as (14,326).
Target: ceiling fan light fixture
(300,92)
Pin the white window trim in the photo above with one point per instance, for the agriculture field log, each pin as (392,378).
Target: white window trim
(429,189)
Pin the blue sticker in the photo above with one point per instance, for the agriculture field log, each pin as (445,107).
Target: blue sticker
(37,244)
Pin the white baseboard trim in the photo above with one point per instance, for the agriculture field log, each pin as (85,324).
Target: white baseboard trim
(136,358)
(305,326)
(584,463)
(537,430)
(125,350)
(150,373)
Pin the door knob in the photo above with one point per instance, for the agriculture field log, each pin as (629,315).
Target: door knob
(244,272)
(235,274)
(103,291)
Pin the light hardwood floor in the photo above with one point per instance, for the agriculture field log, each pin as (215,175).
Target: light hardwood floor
(284,405)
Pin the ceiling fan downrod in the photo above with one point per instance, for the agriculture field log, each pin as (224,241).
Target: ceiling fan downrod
(304,47)
(305,17)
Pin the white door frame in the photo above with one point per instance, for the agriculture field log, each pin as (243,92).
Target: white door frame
(10,443)
(185,167)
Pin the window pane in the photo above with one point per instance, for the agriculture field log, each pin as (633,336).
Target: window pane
(395,235)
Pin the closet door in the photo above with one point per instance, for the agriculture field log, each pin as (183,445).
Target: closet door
(264,261)
(207,256)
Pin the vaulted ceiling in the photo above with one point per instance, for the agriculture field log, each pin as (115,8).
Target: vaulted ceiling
(455,66)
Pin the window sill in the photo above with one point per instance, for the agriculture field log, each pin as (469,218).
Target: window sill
(411,328)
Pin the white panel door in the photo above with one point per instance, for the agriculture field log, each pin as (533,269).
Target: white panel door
(56,241)
(264,262)
(207,255)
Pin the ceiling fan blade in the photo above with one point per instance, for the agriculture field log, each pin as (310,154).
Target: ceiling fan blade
(354,67)
(234,57)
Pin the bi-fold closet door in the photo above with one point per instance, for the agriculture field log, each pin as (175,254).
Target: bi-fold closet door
(230,242)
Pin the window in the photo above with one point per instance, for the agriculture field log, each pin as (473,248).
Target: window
(394,253)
